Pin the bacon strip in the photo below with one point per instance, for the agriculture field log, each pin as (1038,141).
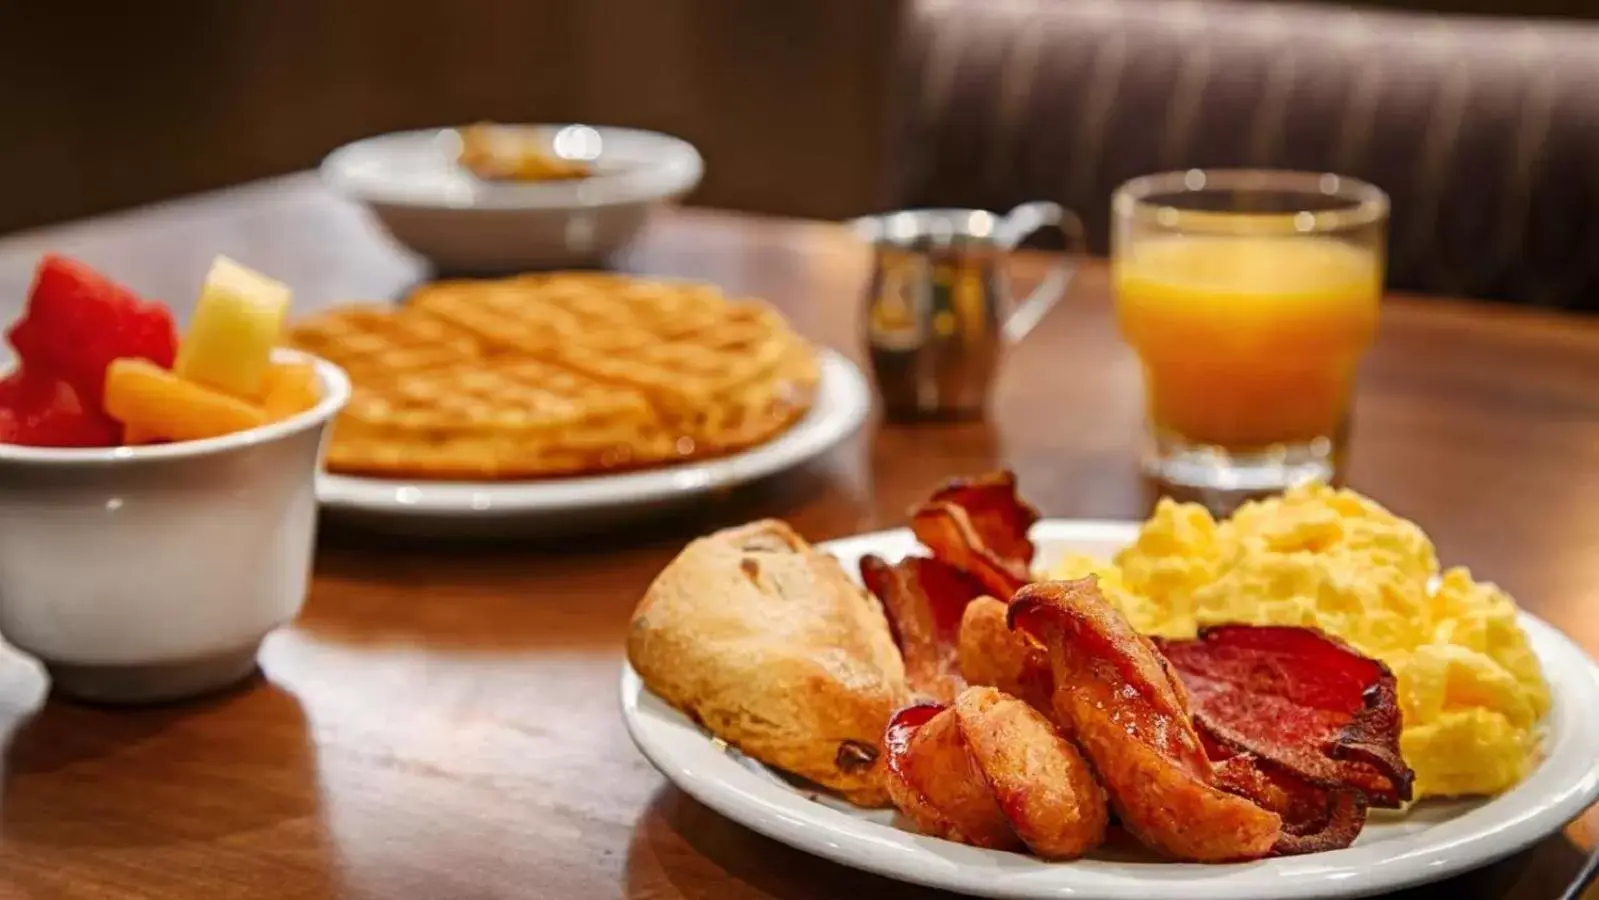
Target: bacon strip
(924,600)
(1117,699)
(980,526)
(1306,703)
(1323,811)
(1315,818)
(1245,742)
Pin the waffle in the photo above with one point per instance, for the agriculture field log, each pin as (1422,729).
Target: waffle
(557,374)
(372,342)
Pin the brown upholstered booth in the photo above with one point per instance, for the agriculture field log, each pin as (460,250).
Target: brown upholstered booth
(1485,132)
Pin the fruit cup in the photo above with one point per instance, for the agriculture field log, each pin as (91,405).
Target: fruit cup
(151,573)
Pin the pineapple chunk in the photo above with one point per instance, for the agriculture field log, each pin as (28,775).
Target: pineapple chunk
(238,321)
(289,389)
(152,401)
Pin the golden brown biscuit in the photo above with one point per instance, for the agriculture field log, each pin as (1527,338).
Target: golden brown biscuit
(768,644)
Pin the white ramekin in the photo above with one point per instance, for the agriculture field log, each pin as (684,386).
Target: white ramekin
(141,574)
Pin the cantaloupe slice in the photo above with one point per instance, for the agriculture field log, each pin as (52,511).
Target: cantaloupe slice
(145,397)
(134,437)
(289,389)
(238,321)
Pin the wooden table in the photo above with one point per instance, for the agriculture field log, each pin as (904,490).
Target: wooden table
(442,721)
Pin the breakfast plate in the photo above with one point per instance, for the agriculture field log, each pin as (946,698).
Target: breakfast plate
(1433,840)
(842,403)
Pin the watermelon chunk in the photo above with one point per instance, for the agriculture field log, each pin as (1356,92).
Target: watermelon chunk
(77,321)
(41,410)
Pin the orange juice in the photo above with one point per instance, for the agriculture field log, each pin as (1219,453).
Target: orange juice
(1248,341)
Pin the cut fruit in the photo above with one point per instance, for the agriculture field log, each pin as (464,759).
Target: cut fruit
(151,400)
(289,389)
(134,437)
(77,321)
(41,410)
(238,321)
(13,388)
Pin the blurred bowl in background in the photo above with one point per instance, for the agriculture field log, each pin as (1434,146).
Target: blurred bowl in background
(414,184)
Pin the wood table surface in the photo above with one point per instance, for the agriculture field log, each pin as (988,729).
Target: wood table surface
(442,721)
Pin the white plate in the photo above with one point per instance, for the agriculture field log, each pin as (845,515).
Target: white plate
(1435,840)
(566,504)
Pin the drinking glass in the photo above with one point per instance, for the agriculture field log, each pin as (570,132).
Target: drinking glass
(1250,297)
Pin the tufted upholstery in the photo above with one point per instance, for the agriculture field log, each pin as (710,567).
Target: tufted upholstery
(1485,132)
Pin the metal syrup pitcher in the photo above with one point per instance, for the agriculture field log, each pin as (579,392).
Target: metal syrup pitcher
(939,311)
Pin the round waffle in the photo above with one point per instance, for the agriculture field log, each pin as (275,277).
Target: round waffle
(557,374)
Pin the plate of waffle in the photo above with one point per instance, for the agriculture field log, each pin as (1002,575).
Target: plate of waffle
(552,401)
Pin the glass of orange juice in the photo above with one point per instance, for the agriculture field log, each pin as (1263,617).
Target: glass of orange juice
(1250,297)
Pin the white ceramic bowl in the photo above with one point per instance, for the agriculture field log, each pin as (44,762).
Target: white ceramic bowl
(462,224)
(139,574)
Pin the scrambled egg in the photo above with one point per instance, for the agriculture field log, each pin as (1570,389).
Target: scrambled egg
(1470,687)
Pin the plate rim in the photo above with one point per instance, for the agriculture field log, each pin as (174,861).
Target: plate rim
(843,404)
(1357,871)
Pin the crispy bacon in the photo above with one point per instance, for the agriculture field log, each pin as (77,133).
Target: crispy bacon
(1301,701)
(924,599)
(1247,741)
(980,526)
(1118,700)
(1314,817)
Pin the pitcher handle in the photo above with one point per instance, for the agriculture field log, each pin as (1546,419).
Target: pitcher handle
(1014,227)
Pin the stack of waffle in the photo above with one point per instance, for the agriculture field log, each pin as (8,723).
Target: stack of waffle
(557,374)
